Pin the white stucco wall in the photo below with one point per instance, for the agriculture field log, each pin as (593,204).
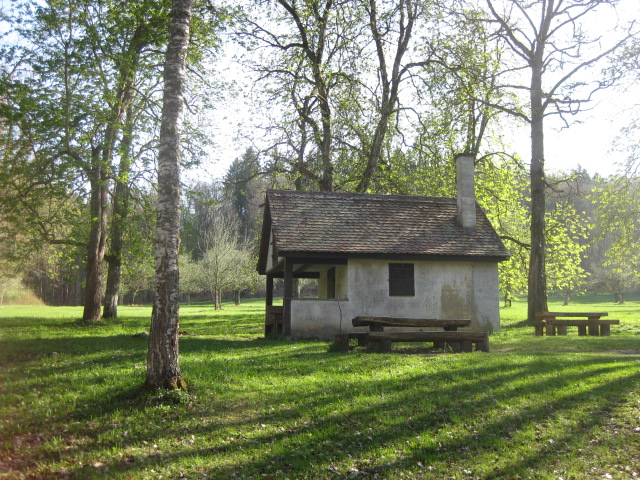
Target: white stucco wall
(486,296)
(316,318)
(442,290)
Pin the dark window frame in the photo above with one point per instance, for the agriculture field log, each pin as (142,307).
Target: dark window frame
(402,280)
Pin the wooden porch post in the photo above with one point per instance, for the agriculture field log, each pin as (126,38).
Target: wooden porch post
(271,319)
(269,290)
(288,295)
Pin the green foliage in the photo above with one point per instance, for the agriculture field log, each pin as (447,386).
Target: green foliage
(565,231)
(79,103)
(190,276)
(241,182)
(501,191)
(618,202)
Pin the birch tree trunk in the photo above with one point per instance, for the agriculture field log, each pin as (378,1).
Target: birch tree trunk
(163,370)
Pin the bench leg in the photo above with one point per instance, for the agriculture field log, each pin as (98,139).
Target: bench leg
(605,330)
(467,346)
(593,330)
(384,346)
(551,330)
(342,342)
(562,329)
(363,341)
(539,330)
(483,346)
(582,330)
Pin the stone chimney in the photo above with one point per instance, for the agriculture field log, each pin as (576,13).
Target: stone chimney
(465,191)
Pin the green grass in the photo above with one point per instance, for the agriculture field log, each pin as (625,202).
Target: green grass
(535,407)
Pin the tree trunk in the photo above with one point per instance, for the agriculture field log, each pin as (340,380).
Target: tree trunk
(537,281)
(236,297)
(163,370)
(126,94)
(217,300)
(119,216)
(326,148)
(96,245)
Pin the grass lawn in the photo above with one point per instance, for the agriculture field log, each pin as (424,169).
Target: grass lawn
(535,407)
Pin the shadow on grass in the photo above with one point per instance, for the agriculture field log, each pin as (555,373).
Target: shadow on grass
(430,423)
(16,349)
(277,408)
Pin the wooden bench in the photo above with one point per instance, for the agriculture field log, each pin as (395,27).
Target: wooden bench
(463,340)
(590,322)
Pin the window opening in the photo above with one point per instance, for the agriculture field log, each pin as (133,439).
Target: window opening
(401,280)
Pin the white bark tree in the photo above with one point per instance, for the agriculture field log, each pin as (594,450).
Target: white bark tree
(163,370)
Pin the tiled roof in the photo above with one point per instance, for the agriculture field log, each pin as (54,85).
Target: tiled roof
(362,224)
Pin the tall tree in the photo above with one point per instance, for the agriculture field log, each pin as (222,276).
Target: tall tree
(390,72)
(145,27)
(547,37)
(312,51)
(163,369)
(238,182)
(77,61)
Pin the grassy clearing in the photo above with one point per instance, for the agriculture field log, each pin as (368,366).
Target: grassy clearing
(535,407)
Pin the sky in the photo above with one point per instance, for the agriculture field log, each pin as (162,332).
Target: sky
(589,142)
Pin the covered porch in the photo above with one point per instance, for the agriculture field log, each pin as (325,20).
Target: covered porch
(331,276)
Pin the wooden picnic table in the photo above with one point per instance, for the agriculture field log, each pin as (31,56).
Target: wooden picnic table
(379,332)
(585,321)
(377,324)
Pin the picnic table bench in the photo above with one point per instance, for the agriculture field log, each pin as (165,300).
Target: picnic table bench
(591,322)
(379,333)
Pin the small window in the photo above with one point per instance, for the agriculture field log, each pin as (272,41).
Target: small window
(401,283)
